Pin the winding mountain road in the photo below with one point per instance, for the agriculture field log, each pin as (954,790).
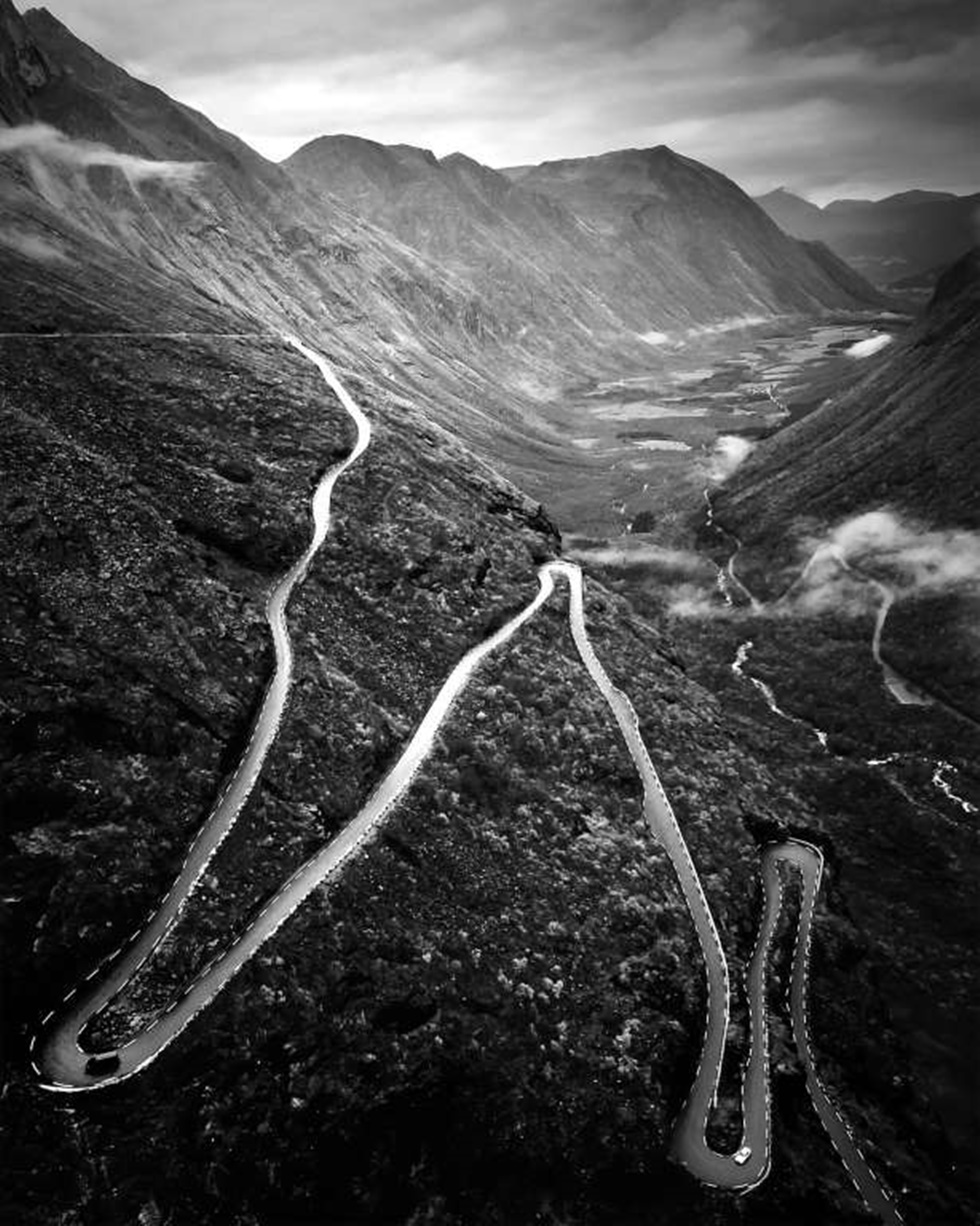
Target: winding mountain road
(63,1065)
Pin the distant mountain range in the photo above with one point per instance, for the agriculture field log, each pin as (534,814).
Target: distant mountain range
(903,241)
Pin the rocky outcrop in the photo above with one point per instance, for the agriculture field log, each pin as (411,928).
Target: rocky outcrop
(24,67)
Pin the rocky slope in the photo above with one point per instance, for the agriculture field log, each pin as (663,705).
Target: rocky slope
(550,261)
(497,1009)
(235,226)
(906,435)
(24,68)
(706,243)
(891,240)
(494,1015)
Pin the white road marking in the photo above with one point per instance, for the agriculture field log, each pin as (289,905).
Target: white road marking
(64,1062)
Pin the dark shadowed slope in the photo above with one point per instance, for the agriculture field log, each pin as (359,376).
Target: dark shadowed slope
(152,489)
(23,67)
(907,435)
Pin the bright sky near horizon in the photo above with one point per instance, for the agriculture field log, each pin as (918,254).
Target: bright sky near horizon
(827,97)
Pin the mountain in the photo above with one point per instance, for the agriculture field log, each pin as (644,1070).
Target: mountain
(493,1015)
(539,269)
(237,227)
(24,68)
(571,294)
(698,234)
(153,486)
(792,213)
(441,275)
(196,203)
(891,240)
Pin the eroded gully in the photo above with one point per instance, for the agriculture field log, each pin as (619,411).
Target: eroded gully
(63,1065)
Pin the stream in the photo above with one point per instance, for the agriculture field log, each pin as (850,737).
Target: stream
(902,690)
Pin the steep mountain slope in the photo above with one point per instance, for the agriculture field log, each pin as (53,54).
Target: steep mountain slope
(498,1007)
(236,226)
(88,96)
(494,1014)
(698,233)
(906,435)
(600,261)
(489,297)
(540,267)
(888,240)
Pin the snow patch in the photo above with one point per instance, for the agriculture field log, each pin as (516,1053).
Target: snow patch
(873,344)
(661,444)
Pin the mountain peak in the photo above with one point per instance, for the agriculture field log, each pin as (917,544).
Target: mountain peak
(783,193)
(458,158)
(24,68)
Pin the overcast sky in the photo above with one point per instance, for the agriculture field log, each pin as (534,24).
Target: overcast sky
(829,97)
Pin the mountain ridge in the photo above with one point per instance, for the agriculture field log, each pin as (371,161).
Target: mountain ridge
(898,237)
(453,208)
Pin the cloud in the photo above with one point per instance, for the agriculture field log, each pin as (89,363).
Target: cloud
(830,99)
(914,557)
(842,564)
(33,246)
(42,140)
(887,29)
(730,451)
(629,553)
(881,544)
(688,600)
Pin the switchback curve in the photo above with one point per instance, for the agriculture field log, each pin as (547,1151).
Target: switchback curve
(64,1066)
